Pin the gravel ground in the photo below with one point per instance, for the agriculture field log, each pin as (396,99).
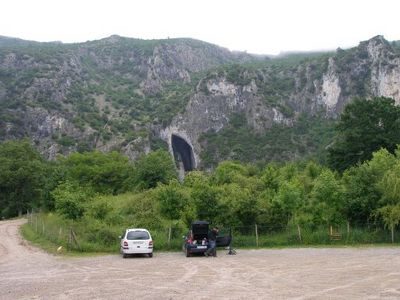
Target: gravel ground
(306,273)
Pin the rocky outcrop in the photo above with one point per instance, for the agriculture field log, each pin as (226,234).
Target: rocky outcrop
(115,93)
(50,91)
(331,90)
(372,69)
(385,69)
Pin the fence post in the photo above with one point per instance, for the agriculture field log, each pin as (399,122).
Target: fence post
(392,234)
(69,239)
(256,235)
(299,232)
(169,236)
(348,229)
(75,239)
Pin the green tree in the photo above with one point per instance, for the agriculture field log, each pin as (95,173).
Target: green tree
(106,173)
(365,126)
(290,198)
(172,199)
(205,199)
(154,168)
(362,195)
(327,198)
(227,172)
(237,206)
(391,217)
(390,185)
(194,178)
(71,199)
(390,188)
(22,178)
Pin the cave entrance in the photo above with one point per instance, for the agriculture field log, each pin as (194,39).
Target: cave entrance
(183,153)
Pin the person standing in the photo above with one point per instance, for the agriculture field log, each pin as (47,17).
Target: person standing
(212,242)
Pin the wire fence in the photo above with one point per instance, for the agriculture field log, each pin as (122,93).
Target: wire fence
(98,238)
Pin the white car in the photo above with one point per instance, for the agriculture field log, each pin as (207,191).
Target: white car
(136,241)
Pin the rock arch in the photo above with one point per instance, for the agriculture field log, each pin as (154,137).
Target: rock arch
(183,153)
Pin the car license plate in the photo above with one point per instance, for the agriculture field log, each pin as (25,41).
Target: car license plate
(201,247)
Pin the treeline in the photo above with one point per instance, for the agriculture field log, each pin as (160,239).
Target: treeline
(234,194)
(105,192)
(27,181)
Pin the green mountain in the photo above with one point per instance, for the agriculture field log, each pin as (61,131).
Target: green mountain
(203,102)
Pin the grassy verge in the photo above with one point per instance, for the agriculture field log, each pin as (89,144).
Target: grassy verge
(38,240)
(50,231)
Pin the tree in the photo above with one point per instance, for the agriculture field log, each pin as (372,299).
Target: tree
(290,198)
(237,206)
(228,171)
(327,198)
(172,199)
(71,199)
(205,199)
(391,217)
(390,188)
(361,191)
(22,174)
(154,168)
(106,173)
(365,126)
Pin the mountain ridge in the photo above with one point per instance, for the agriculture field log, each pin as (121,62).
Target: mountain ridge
(133,95)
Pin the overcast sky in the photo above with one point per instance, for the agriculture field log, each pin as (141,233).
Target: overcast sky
(255,26)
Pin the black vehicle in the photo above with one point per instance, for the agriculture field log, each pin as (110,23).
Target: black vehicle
(196,241)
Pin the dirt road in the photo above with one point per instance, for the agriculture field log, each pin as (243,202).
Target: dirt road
(367,273)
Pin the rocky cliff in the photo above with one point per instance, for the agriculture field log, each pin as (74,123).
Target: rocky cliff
(133,95)
(275,93)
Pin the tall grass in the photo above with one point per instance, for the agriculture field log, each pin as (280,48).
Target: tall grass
(52,231)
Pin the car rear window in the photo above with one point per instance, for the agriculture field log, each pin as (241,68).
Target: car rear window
(137,235)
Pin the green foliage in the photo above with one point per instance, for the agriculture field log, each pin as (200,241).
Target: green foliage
(71,199)
(327,197)
(205,201)
(390,185)
(106,173)
(139,210)
(281,199)
(365,126)
(307,138)
(172,200)
(22,178)
(390,215)
(154,168)
(237,74)
(227,171)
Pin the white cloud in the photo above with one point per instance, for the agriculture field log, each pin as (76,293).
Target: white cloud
(254,25)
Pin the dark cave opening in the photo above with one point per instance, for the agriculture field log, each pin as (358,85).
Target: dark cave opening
(183,153)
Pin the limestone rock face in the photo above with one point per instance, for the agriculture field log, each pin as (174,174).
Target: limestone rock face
(385,69)
(372,69)
(330,87)
(121,94)
(65,97)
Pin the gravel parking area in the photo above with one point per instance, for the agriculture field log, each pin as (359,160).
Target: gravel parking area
(305,273)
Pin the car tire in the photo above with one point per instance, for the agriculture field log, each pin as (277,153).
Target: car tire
(150,254)
(124,255)
(187,253)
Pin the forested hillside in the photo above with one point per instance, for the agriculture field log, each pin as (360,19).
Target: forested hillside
(133,96)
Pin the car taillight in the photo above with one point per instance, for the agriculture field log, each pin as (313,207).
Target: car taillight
(125,244)
(151,243)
